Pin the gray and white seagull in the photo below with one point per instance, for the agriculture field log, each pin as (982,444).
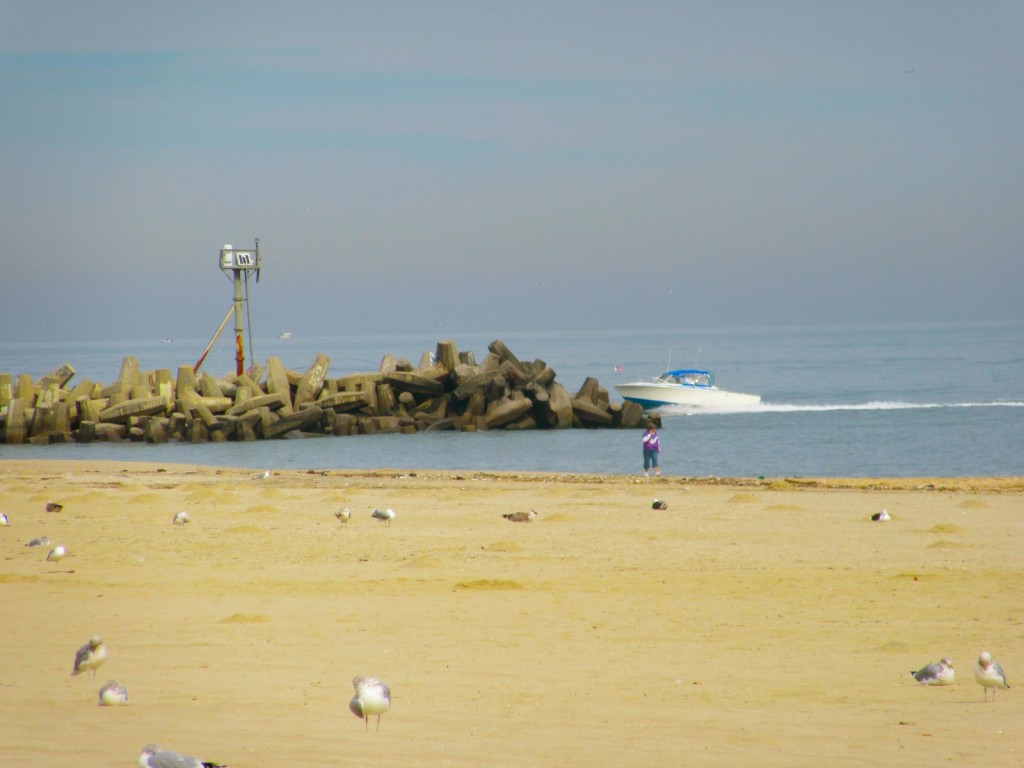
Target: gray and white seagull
(372,698)
(939,673)
(154,757)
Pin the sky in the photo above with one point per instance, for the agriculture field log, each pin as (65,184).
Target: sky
(508,166)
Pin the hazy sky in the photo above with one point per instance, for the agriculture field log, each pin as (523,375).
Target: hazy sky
(504,166)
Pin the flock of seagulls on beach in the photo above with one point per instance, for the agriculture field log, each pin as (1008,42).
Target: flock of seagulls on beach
(373,696)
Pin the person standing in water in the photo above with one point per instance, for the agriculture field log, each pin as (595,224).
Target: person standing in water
(652,447)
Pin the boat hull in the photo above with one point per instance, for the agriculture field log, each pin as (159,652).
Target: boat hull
(656,394)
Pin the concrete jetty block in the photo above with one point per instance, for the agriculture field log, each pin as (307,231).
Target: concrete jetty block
(501,412)
(128,377)
(60,376)
(145,406)
(86,432)
(111,433)
(88,409)
(47,394)
(300,420)
(244,430)
(62,417)
(446,354)
(246,388)
(416,382)
(503,353)
(558,409)
(177,426)
(84,388)
(41,421)
(480,381)
(210,387)
(388,364)
(6,389)
(313,381)
(16,430)
(162,385)
(206,415)
(589,413)
(156,430)
(186,381)
(274,402)
(215,404)
(197,432)
(342,401)
(24,390)
(277,382)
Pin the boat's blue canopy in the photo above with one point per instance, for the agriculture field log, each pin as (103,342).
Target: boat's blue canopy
(689,377)
(684,371)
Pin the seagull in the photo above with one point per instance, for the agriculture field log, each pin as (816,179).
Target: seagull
(90,656)
(521,517)
(57,553)
(3,519)
(343,515)
(154,757)
(659,504)
(113,694)
(940,673)
(39,541)
(372,698)
(180,518)
(989,674)
(265,475)
(387,515)
(882,517)
(53,506)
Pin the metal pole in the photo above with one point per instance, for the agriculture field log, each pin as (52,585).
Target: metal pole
(239,350)
(195,368)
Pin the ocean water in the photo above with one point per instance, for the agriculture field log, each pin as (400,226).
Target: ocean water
(905,400)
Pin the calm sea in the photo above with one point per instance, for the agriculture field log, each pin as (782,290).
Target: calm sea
(850,401)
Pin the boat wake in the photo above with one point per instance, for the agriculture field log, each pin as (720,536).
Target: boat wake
(875,405)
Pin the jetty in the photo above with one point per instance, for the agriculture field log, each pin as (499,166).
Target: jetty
(447,390)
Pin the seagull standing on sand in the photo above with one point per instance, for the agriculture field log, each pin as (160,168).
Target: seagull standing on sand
(53,506)
(39,541)
(3,519)
(882,517)
(940,673)
(989,674)
(343,515)
(180,518)
(154,757)
(521,517)
(57,553)
(90,656)
(387,515)
(372,698)
(113,694)
(265,475)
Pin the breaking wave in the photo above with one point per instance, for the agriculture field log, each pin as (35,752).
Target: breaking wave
(875,405)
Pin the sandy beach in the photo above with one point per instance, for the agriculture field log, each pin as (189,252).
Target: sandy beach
(754,622)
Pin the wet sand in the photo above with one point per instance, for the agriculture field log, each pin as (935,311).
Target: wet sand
(766,623)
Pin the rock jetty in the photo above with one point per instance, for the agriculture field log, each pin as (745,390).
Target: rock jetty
(447,390)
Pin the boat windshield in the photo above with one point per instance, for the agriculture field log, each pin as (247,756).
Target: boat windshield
(693,379)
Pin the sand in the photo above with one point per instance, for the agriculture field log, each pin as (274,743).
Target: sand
(766,623)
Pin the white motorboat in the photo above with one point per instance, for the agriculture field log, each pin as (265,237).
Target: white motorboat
(689,387)
(286,335)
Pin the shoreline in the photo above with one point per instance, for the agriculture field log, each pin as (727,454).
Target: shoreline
(962,484)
